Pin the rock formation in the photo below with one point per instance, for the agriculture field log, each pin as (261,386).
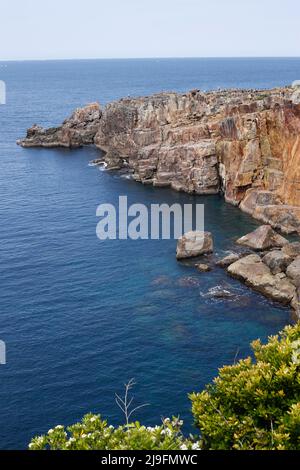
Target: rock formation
(263,238)
(244,143)
(203,268)
(193,244)
(79,129)
(256,274)
(228,260)
(274,273)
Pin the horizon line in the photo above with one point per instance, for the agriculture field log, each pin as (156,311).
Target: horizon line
(145,58)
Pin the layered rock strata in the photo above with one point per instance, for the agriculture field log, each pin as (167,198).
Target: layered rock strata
(243,143)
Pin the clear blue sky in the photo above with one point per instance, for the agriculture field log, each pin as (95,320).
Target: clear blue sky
(35,29)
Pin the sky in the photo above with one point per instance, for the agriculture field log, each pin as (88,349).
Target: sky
(74,29)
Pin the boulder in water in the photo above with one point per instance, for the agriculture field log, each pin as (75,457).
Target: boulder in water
(193,244)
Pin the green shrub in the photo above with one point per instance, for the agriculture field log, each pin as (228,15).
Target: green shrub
(254,404)
(92,433)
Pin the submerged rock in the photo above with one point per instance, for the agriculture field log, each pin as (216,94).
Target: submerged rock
(193,244)
(162,280)
(189,281)
(203,268)
(263,238)
(219,292)
(223,292)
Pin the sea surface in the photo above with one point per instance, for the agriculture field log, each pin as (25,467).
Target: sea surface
(81,316)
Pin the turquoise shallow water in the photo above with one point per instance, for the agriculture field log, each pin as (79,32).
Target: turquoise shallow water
(81,316)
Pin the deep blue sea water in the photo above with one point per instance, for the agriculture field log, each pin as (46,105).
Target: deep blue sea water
(81,316)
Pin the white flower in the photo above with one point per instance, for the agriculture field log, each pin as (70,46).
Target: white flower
(72,439)
(51,431)
(83,436)
(196,446)
(31,445)
(168,432)
(59,426)
(93,419)
(183,447)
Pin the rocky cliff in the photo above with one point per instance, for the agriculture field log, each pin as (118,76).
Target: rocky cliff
(243,143)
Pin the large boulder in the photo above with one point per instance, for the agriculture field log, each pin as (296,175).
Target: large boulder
(257,275)
(263,238)
(292,249)
(228,260)
(193,244)
(293,271)
(277,261)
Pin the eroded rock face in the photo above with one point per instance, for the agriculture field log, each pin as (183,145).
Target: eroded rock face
(244,143)
(292,250)
(78,130)
(228,260)
(293,271)
(296,304)
(277,261)
(193,244)
(257,274)
(263,238)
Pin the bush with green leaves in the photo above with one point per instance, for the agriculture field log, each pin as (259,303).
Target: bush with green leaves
(254,404)
(93,433)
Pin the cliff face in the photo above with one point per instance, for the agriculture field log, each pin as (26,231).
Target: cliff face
(243,143)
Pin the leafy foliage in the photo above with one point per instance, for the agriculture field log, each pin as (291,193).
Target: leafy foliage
(254,404)
(92,433)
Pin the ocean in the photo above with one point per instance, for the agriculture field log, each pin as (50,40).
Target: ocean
(80,316)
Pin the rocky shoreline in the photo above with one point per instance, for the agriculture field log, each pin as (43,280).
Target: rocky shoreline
(270,264)
(242,143)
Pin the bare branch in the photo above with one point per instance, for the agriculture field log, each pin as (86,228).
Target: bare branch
(137,408)
(125,403)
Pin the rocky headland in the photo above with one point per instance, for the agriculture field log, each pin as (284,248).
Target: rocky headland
(242,143)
